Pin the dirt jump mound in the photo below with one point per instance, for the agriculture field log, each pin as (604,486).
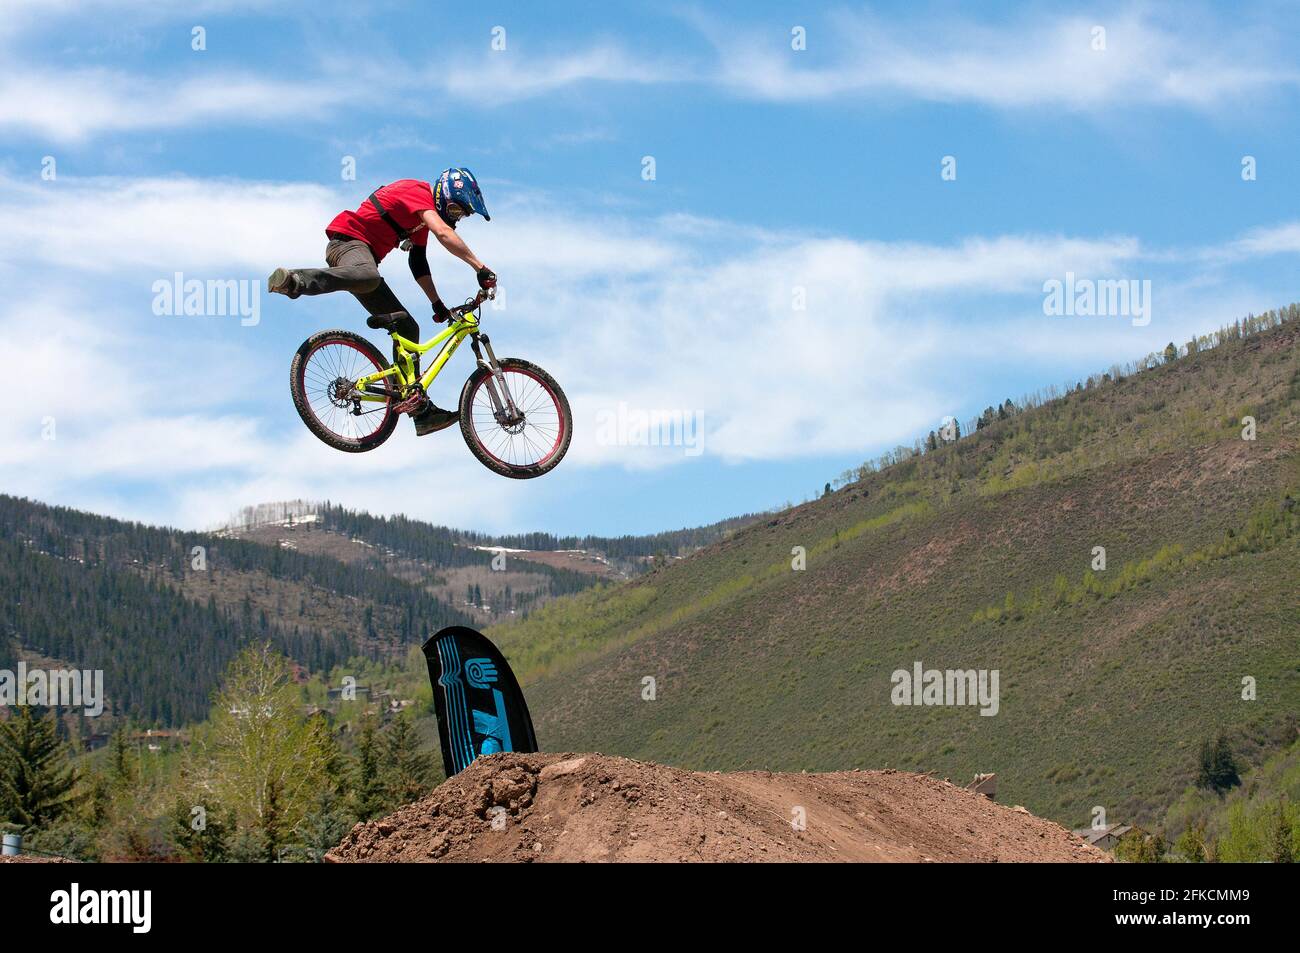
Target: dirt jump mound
(575,807)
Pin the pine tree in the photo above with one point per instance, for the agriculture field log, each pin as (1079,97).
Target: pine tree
(121,769)
(367,786)
(36,779)
(1218,769)
(322,829)
(204,838)
(1281,836)
(248,846)
(407,770)
(1225,765)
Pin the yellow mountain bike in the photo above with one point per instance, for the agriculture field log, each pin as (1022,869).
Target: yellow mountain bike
(513,415)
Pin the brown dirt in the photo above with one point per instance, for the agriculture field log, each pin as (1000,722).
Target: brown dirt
(569,807)
(34,859)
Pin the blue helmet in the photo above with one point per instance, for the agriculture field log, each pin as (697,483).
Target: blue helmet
(459,186)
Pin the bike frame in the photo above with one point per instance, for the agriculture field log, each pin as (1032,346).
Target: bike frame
(451,338)
(404,368)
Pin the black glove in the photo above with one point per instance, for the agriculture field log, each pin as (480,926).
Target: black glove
(486,279)
(440,312)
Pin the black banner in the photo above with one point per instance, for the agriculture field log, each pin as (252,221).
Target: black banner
(480,707)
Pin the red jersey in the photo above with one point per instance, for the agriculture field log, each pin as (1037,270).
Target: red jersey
(403,200)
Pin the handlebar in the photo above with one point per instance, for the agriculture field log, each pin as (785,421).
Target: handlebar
(472,304)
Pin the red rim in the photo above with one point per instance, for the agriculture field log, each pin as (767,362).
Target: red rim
(533,407)
(332,368)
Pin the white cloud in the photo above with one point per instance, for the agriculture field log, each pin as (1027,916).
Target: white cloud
(1274,240)
(71,105)
(851,370)
(164,224)
(509,78)
(1035,61)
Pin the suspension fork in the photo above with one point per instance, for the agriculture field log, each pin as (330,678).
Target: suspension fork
(505,410)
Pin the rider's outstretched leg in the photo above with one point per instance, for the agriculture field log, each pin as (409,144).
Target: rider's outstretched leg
(352,268)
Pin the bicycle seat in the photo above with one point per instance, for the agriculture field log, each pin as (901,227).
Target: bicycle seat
(386,322)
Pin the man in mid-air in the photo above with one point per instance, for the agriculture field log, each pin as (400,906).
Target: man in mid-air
(404,213)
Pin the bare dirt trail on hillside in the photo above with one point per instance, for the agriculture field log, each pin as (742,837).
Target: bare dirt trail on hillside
(569,807)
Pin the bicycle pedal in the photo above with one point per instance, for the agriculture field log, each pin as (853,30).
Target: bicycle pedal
(412,405)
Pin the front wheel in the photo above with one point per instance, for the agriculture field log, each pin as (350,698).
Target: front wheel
(528,444)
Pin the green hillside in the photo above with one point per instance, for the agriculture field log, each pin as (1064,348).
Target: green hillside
(977,555)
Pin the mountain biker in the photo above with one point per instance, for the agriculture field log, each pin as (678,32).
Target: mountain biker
(405,212)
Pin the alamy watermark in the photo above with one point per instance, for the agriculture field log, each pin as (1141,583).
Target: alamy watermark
(53,688)
(634,427)
(74,906)
(1107,297)
(953,687)
(213,297)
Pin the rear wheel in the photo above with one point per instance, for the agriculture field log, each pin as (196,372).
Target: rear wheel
(321,379)
(526,446)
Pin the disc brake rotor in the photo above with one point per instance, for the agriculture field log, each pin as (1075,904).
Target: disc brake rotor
(340,392)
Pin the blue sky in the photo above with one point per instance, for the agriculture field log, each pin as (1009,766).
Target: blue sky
(779,174)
